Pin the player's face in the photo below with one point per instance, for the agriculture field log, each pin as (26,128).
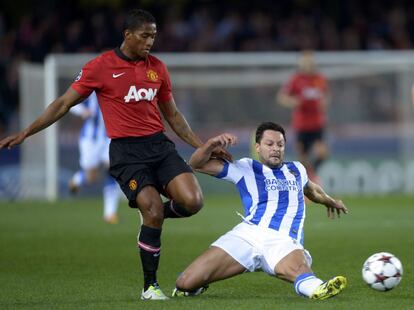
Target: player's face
(271,149)
(140,41)
(307,63)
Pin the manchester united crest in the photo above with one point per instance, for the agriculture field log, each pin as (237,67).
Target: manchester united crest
(133,185)
(152,75)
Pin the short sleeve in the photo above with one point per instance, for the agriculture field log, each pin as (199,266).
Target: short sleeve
(303,173)
(233,172)
(88,79)
(165,92)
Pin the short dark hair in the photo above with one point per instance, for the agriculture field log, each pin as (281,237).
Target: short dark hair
(136,18)
(268,126)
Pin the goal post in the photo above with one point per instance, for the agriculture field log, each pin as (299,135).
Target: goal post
(370,129)
(32,178)
(51,152)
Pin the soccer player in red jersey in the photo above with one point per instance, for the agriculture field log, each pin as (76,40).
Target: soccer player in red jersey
(307,93)
(131,85)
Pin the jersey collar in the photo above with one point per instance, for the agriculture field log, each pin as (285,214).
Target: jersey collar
(274,168)
(121,55)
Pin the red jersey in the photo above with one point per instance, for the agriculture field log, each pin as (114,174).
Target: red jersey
(128,92)
(310,90)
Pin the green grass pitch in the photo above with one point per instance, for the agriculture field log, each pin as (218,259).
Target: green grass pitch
(63,256)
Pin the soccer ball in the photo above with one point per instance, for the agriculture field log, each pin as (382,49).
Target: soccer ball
(382,271)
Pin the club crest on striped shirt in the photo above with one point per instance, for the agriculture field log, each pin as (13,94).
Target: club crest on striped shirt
(294,173)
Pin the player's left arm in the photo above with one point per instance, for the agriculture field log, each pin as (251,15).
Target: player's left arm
(179,124)
(203,160)
(316,194)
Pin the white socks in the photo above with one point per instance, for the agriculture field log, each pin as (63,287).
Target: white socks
(79,178)
(306,284)
(111,192)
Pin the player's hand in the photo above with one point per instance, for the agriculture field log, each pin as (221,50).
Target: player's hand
(338,207)
(224,140)
(12,140)
(220,152)
(221,143)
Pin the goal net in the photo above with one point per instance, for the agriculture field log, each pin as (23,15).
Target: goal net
(370,131)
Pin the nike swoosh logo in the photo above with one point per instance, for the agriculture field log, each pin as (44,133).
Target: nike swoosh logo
(145,298)
(117,75)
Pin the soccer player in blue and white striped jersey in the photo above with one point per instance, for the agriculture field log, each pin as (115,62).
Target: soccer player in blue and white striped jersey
(270,237)
(94,153)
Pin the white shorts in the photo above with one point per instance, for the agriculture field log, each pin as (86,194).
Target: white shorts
(258,248)
(93,153)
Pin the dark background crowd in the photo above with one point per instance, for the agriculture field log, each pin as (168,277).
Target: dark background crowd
(29,30)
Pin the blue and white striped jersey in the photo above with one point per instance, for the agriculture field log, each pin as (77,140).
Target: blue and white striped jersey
(93,127)
(271,198)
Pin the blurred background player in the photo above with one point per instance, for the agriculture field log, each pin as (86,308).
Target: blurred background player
(306,92)
(94,155)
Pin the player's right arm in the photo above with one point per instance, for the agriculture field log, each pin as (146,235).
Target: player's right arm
(202,160)
(53,112)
